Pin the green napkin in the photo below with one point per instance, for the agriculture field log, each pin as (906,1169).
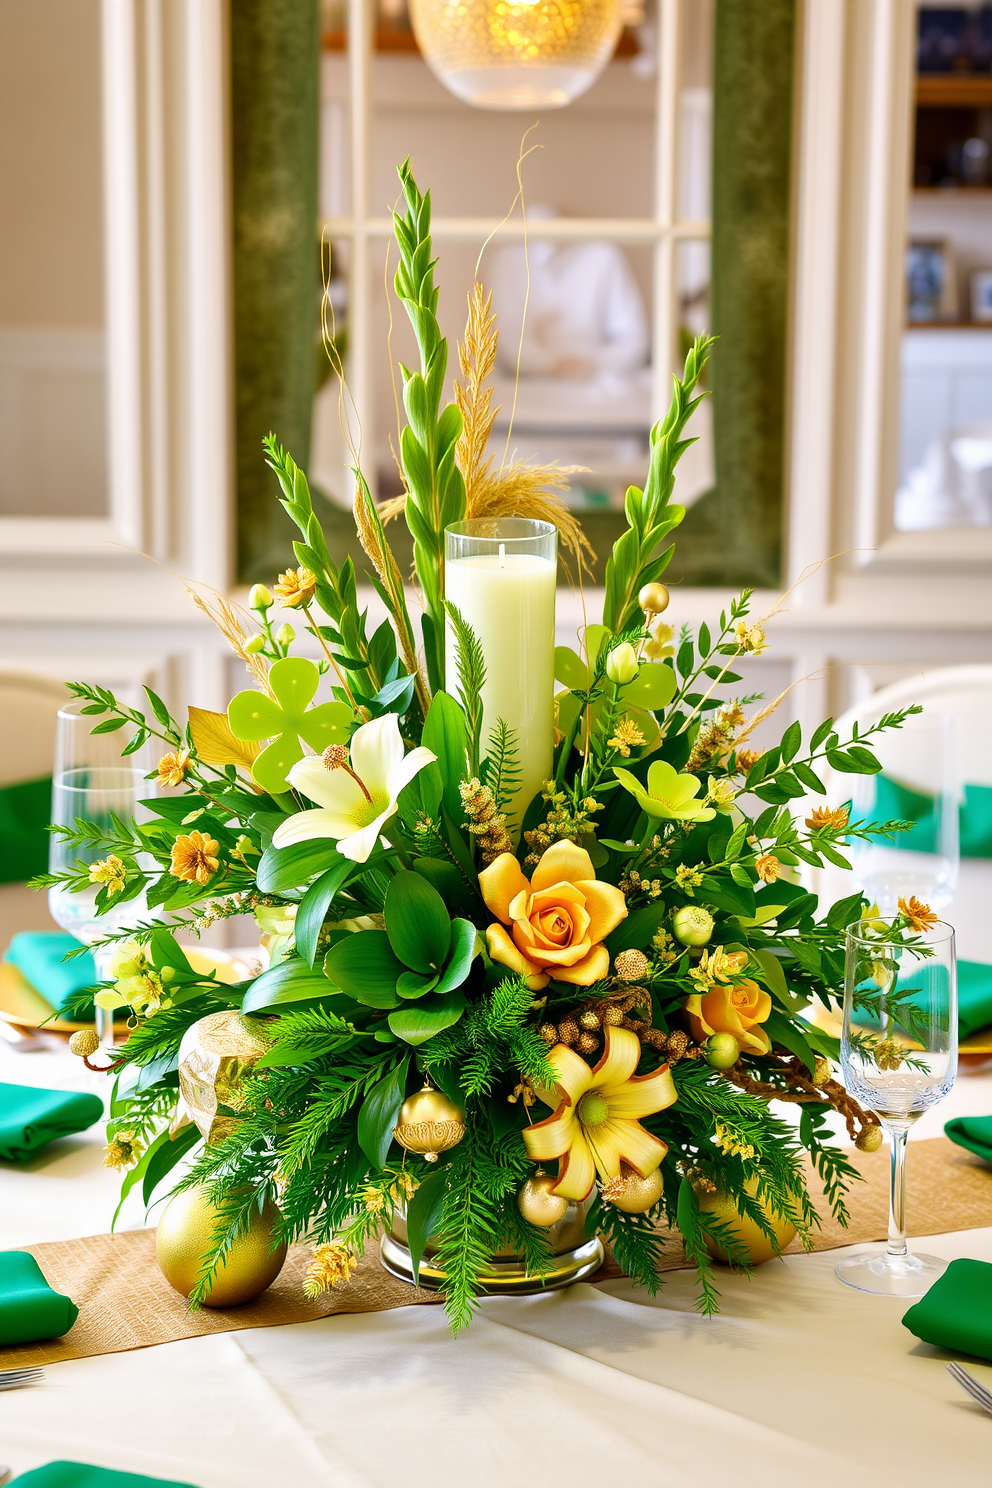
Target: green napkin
(897,802)
(38,956)
(973,1132)
(29,1309)
(79,1475)
(25,811)
(31,1118)
(974,998)
(956,1312)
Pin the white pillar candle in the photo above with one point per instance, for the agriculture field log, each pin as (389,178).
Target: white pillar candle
(500,574)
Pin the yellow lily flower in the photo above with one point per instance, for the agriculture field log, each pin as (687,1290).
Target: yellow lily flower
(595,1125)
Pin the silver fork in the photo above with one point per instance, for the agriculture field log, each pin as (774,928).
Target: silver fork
(12,1379)
(978,1392)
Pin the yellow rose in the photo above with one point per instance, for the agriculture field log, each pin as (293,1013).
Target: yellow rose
(557,921)
(738,1010)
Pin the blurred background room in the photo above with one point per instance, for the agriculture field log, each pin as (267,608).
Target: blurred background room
(810,179)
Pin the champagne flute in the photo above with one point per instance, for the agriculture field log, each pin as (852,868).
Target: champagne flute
(90,782)
(899,1053)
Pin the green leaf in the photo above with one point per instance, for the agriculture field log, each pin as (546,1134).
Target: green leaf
(290,984)
(791,740)
(282,868)
(417,923)
(314,906)
(363,965)
(165,1157)
(165,952)
(422,1215)
(413,984)
(464,948)
(417,1024)
(636,930)
(380,1109)
(571,670)
(781,1031)
(444,733)
(653,687)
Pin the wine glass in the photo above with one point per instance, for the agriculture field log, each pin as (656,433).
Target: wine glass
(899,1053)
(89,782)
(917,783)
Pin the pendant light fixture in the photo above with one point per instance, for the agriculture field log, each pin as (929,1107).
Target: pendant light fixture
(517,54)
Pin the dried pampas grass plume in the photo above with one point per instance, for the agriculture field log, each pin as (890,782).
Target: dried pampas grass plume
(229,620)
(520,489)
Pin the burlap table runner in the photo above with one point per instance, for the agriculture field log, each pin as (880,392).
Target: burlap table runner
(125,1302)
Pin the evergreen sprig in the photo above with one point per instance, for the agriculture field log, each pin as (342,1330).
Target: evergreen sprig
(471,665)
(501,769)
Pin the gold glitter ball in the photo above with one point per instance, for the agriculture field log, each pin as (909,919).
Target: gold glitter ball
(631,965)
(84,1043)
(869,1138)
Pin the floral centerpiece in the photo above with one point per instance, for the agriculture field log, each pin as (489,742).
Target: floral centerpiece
(481,1004)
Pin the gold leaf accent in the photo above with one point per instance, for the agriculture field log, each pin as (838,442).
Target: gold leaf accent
(214,742)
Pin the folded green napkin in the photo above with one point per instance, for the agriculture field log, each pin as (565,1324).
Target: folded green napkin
(974,998)
(38,956)
(25,811)
(79,1475)
(29,1309)
(973,1132)
(31,1118)
(897,802)
(956,1312)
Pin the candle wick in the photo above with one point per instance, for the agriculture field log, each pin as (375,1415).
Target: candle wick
(502,555)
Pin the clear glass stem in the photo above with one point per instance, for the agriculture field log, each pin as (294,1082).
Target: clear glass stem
(897,1249)
(104,1016)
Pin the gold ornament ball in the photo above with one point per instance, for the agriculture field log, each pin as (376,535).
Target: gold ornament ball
(538,1204)
(654,598)
(429,1123)
(84,1043)
(869,1138)
(183,1239)
(757,1248)
(634,1194)
(821,1072)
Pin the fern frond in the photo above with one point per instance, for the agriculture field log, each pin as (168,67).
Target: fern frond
(501,770)
(471,663)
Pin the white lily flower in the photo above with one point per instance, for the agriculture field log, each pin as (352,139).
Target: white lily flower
(356,799)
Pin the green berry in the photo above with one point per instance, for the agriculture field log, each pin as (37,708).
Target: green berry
(692,925)
(722,1051)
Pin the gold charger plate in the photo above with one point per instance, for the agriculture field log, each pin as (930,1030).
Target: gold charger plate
(24,1007)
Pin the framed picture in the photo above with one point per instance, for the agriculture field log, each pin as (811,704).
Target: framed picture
(931,283)
(981,295)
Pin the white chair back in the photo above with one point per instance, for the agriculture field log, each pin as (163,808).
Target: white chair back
(965,693)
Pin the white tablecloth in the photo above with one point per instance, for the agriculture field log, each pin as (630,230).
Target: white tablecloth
(799,1378)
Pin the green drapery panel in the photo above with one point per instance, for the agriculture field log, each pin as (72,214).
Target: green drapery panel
(275,100)
(734,533)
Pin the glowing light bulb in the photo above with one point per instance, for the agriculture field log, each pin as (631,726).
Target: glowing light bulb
(517,54)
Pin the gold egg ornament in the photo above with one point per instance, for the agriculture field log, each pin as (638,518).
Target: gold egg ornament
(756,1246)
(429,1123)
(539,1204)
(216,1055)
(632,1193)
(183,1240)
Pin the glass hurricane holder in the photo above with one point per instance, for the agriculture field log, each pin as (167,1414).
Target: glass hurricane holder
(899,1053)
(500,574)
(517,54)
(91,782)
(918,781)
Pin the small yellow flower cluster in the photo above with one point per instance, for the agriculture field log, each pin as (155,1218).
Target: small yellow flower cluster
(664,947)
(295,588)
(562,823)
(109,871)
(718,965)
(716,738)
(172,768)
(767,867)
(632,883)
(626,736)
(137,984)
(746,759)
(822,818)
(330,1266)
(194,858)
(659,643)
(749,638)
(731,1142)
(720,793)
(122,1153)
(919,916)
(687,878)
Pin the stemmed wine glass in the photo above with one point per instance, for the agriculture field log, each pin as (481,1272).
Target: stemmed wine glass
(899,1053)
(91,782)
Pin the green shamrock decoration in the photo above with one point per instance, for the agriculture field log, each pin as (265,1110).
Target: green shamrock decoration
(286,719)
